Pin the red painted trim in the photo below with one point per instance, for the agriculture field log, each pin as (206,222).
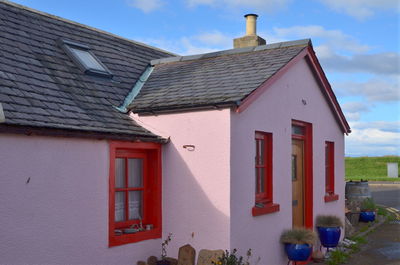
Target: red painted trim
(151,191)
(269,208)
(308,170)
(331,197)
(309,54)
(264,86)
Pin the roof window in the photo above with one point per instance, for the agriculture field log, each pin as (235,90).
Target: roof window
(85,59)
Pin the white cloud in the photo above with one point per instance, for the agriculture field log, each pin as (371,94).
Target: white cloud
(374,90)
(372,141)
(362,9)
(386,126)
(259,5)
(214,38)
(353,110)
(146,5)
(387,63)
(335,39)
(355,106)
(196,44)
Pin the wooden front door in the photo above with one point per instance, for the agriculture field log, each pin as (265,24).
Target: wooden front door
(298,183)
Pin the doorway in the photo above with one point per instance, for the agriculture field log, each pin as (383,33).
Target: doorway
(302,187)
(297,183)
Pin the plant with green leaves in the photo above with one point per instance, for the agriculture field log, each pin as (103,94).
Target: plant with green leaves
(231,258)
(328,221)
(337,257)
(368,205)
(298,236)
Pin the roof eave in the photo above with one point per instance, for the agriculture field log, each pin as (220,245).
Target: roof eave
(309,53)
(56,132)
(185,108)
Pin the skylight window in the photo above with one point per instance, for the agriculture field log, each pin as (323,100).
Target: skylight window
(85,59)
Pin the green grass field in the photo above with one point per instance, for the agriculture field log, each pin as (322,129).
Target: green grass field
(369,168)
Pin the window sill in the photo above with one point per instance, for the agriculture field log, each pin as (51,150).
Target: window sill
(117,240)
(331,197)
(268,208)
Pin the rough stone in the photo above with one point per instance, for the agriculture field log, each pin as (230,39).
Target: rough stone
(152,260)
(206,257)
(140,262)
(186,255)
(172,261)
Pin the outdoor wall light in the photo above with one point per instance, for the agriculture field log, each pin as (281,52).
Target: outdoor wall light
(189,147)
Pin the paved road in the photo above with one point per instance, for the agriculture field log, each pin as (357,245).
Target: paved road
(386,194)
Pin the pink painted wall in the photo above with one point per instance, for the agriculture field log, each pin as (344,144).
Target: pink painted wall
(61,215)
(196,184)
(273,112)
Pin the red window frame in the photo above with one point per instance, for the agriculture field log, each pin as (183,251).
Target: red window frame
(263,184)
(330,172)
(151,191)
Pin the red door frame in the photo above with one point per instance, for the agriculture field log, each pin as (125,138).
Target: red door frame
(308,170)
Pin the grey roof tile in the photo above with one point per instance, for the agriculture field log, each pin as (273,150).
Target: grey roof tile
(215,78)
(40,85)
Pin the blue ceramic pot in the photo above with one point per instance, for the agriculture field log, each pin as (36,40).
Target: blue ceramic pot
(367,216)
(329,236)
(298,252)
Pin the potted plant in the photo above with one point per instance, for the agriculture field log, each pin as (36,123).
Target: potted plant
(231,258)
(328,227)
(368,209)
(298,243)
(164,245)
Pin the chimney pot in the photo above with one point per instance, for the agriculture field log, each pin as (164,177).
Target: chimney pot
(250,39)
(251,24)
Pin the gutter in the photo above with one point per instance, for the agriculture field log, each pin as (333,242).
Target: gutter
(135,90)
(175,109)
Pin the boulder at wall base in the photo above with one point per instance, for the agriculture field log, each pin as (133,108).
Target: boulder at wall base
(206,257)
(186,255)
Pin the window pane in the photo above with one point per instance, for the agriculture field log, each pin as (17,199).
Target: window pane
(119,172)
(135,205)
(119,206)
(87,59)
(297,130)
(261,148)
(262,179)
(135,173)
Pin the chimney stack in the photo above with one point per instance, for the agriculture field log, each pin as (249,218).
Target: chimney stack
(251,38)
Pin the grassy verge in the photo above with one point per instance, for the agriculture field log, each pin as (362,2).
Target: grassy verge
(369,168)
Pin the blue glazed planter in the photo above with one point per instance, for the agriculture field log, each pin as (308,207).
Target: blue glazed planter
(298,252)
(329,236)
(367,216)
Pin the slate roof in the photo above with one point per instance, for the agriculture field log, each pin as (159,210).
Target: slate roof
(41,87)
(217,79)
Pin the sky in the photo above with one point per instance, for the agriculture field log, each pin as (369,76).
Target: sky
(356,41)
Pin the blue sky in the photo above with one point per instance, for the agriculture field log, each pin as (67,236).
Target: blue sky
(357,42)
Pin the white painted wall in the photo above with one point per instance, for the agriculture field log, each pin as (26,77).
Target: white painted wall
(273,112)
(61,215)
(196,184)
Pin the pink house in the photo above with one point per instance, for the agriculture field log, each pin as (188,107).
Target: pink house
(101,134)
